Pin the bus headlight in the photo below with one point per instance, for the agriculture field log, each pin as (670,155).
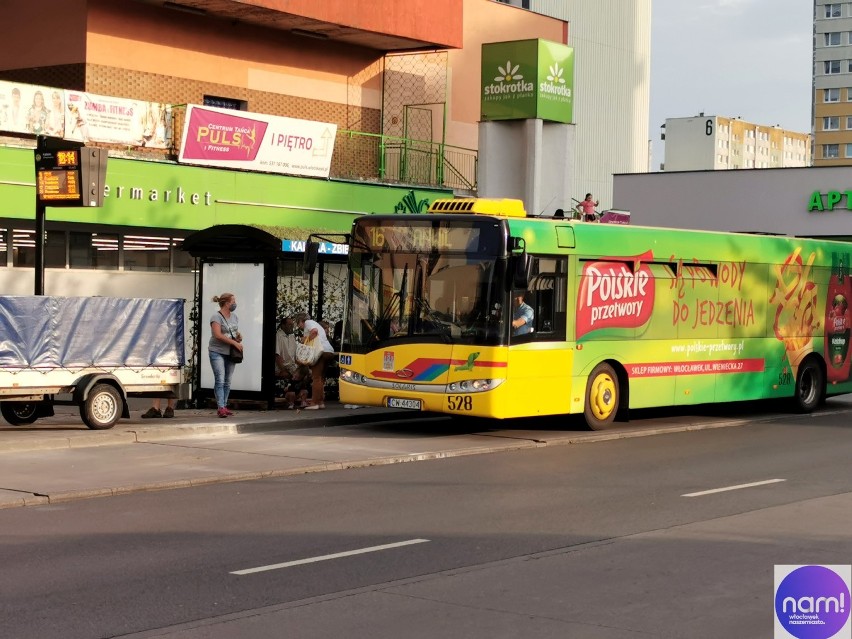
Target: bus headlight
(352,377)
(473,385)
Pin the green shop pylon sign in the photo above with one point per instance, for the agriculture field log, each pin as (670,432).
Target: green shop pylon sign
(527,79)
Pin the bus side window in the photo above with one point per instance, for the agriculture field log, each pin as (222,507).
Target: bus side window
(548,296)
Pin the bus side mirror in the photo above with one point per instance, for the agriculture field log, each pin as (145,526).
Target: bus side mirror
(521,267)
(309,259)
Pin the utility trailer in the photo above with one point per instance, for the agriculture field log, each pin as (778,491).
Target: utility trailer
(91,352)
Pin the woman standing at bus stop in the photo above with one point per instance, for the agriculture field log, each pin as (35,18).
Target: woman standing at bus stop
(225,333)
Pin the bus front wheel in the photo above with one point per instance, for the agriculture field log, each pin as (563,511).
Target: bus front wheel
(602,397)
(810,385)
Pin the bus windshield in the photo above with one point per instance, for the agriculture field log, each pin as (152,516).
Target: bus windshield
(435,287)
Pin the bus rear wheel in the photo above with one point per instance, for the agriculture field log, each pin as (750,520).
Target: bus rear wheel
(810,385)
(602,397)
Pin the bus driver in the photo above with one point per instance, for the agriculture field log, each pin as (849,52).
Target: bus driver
(522,315)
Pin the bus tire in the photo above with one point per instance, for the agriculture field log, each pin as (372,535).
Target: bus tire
(810,385)
(102,408)
(19,413)
(603,395)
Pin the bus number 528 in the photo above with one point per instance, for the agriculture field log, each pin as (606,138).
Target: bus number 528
(459,402)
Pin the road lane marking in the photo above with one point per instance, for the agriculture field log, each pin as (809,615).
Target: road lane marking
(737,487)
(337,555)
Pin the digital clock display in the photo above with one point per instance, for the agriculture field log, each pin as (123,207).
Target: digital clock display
(66,158)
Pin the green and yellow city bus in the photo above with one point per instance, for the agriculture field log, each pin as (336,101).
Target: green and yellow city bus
(622,316)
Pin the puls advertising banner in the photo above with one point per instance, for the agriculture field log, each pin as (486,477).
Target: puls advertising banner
(274,144)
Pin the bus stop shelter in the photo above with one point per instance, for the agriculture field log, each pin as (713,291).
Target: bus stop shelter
(266,274)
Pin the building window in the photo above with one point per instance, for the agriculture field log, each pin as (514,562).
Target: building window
(830,151)
(144,253)
(87,250)
(831,67)
(23,248)
(832,10)
(832,39)
(183,261)
(831,123)
(94,251)
(848,151)
(225,103)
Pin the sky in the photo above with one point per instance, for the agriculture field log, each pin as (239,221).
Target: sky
(747,58)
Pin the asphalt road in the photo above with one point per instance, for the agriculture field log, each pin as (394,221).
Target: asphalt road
(595,540)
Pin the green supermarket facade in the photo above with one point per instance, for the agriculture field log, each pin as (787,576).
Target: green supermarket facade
(130,246)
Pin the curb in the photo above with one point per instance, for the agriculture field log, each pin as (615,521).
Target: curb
(33,442)
(508,444)
(77,495)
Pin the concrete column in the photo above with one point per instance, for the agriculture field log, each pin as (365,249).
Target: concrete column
(529,160)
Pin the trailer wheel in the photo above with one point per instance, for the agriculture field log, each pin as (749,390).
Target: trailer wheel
(602,397)
(102,408)
(810,385)
(19,413)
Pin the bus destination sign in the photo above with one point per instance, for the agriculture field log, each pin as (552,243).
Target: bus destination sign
(413,236)
(58,177)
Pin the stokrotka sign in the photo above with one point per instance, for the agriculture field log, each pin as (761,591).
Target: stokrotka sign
(527,79)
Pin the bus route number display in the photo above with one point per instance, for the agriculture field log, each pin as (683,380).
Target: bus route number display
(416,238)
(58,177)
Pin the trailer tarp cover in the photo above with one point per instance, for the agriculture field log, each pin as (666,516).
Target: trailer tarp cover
(78,332)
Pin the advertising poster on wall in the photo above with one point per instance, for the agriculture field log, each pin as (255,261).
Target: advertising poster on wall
(99,118)
(28,108)
(274,144)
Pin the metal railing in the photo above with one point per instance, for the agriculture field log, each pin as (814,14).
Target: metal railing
(370,157)
(383,158)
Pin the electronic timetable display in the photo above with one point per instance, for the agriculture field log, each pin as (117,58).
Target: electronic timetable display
(58,176)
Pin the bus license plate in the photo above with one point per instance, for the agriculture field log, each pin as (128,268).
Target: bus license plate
(410,404)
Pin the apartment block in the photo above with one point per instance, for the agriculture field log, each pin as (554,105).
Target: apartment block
(712,142)
(832,82)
